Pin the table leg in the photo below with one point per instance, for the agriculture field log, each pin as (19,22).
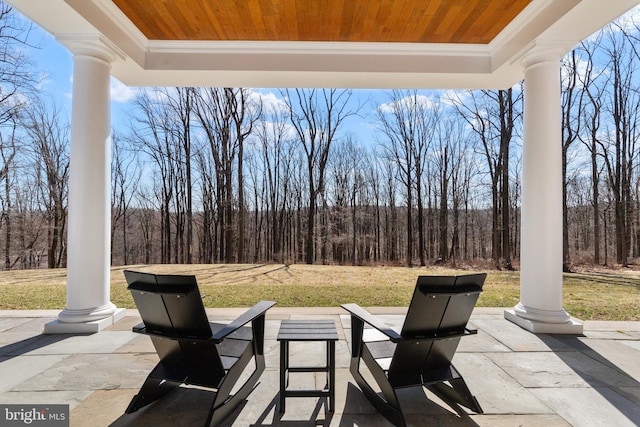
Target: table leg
(284,365)
(331,350)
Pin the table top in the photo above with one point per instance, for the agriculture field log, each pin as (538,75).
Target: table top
(307,330)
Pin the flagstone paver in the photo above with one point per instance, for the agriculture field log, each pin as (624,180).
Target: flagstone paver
(518,378)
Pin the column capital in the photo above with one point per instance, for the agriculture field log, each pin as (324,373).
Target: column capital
(92,45)
(539,51)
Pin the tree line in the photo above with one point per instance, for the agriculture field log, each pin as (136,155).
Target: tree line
(237,175)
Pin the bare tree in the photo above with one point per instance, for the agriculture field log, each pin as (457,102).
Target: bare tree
(392,228)
(180,106)
(591,116)
(407,122)
(18,76)
(428,116)
(347,184)
(125,176)
(453,142)
(216,109)
(145,215)
(572,109)
(620,152)
(18,80)
(246,112)
(8,153)
(317,115)
(373,175)
(209,217)
(275,151)
(151,131)
(493,116)
(49,142)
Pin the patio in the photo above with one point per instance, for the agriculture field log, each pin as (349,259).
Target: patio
(519,378)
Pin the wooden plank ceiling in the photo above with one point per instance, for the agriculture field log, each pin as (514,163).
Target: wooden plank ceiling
(411,21)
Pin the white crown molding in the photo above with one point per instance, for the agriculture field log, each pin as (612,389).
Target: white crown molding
(512,30)
(117,16)
(322,48)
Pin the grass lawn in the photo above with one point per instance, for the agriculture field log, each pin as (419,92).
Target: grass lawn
(604,295)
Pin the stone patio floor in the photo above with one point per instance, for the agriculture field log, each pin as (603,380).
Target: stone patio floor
(520,379)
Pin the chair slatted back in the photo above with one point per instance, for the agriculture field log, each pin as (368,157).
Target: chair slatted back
(169,304)
(173,314)
(426,308)
(440,308)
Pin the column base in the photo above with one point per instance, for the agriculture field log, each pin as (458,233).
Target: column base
(539,315)
(88,314)
(570,327)
(89,325)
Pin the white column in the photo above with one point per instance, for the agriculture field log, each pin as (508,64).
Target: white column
(88,306)
(540,308)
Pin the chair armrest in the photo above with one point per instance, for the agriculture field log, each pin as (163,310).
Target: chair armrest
(141,328)
(368,318)
(254,312)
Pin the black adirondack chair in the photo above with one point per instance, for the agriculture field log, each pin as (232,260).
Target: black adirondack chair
(420,354)
(192,350)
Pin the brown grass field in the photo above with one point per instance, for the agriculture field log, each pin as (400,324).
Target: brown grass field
(588,295)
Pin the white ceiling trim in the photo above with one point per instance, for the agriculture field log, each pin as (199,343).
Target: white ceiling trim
(121,20)
(322,48)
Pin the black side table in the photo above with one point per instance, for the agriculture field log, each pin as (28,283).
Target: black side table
(308,330)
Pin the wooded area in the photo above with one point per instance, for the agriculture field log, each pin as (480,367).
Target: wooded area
(236,175)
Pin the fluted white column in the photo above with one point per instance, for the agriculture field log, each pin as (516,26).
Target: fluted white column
(88,302)
(540,308)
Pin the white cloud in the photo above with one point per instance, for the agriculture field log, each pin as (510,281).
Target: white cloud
(408,103)
(120,92)
(451,97)
(271,102)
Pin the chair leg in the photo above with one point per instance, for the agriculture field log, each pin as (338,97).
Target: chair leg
(389,407)
(152,389)
(224,403)
(457,392)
